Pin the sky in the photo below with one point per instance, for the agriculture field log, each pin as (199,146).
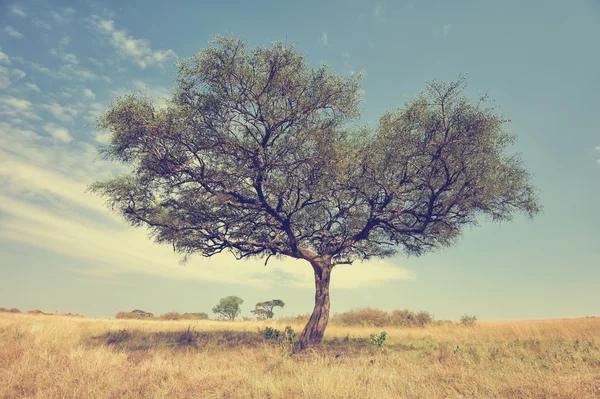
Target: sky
(61,63)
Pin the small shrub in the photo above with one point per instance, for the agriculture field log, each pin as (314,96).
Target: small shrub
(270,333)
(286,336)
(3,310)
(468,321)
(378,340)
(14,310)
(35,312)
(187,337)
(116,337)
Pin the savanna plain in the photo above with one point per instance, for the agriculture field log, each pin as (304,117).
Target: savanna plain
(67,357)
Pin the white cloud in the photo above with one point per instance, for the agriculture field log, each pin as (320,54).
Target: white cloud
(69,58)
(64,113)
(446,29)
(10,31)
(42,24)
(4,78)
(40,68)
(16,107)
(44,205)
(137,50)
(324,40)
(16,10)
(87,93)
(17,73)
(63,15)
(68,72)
(58,132)
(4,59)
(102,138)
(379,12)
(32,87)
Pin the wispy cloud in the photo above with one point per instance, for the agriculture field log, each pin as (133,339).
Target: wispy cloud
(65,113)
(88,93)
(11,106)
(4,59)
(379,12)
(598,150)
(16,10)
(63,15)
(324,40)
(32,87)
(18,74)
(67,72)
(10,31)
(138,51)
(4,78)
(446,29)
(60,133)
(42,24)
(442,31)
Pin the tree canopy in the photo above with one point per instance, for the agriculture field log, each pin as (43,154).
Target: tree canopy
(256,155)
(264,310)
(228,307)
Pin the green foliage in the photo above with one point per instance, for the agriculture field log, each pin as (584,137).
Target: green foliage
(285,338)
(228,307)
(264,310)
(378,340)
(468,321)
(142,314)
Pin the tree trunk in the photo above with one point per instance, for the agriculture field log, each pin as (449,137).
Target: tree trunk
(315,328)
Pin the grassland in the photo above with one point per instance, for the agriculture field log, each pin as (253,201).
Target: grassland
(65,357)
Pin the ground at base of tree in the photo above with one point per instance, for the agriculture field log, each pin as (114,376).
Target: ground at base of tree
(56,357)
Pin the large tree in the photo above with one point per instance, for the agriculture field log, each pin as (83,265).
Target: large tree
(255,155)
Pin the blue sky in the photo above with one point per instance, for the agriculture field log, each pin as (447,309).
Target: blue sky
(62,62)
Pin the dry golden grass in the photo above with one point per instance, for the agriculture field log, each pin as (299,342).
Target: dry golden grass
(65,357)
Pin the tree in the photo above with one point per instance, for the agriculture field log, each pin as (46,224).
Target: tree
(264,310)
(228,307)
(255,155)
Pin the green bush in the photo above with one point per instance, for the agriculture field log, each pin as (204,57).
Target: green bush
(378,340)
(468,321)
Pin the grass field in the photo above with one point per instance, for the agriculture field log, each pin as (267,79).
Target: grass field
(66,357)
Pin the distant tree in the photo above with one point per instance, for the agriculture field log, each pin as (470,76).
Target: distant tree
(228,307)
(255,155)
(141,313)
(264,310)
